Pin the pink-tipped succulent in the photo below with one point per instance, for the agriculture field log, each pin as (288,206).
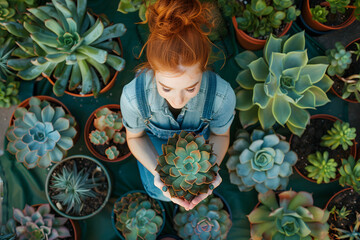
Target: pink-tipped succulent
(108,121)
(112,153)
(119,137)
(98,137)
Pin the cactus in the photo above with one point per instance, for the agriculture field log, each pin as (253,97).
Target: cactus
(41,134)
(98,137)
(208,220)
(119,137)
(354,232)
(112,153)
(9,90)
(187,166)
(339,59)
(321,168)
(338,5)
(138,216)
(350,173)
(319,13)
(339,134)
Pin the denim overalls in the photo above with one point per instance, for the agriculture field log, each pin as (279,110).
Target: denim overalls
(160,136)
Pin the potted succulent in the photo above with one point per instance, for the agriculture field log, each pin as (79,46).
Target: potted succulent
(187,166)
(105,136)
(138,216)
(74,49)
(210,219)
(258,19)
(288,215)
(41,132)
(262,161)
(324,143)
(325,15)
(9,89)
(281,85)
(78,187)
(126,6)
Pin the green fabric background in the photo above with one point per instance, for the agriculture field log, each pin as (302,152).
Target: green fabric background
(27,186)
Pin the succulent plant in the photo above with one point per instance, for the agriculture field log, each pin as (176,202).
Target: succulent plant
(262,161)
(343,213)
(69,44)
(354,232)
(357,51)
(357,10)
(208,220)
(338,5)
(340,134)
(339,59)
(9,90)
(126,6)
(98,137)
(229,8)
(6,12)
(73,188)
(351,86)
(138,216)
(321,168)
(119,137)
(7,46)
(108,121)
(280,86)
(290,216)
(39,224)
(112,153)
(8,230)
(187,166)
(319,13)
(41,134)
(350,173)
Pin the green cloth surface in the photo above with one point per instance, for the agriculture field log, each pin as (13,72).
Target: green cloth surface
(27,186)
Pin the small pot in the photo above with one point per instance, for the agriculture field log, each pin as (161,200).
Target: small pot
(89,145)
(47,185)
(113,216)
(306,13)
(251,43)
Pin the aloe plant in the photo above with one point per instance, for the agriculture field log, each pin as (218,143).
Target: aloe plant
(187,166)
(319,13)
(340,134)
(290,216)
(9,90)
(281,85)
(41,134)
(354,232)
(138,216)
(350,173)
(69,44)
(208,220)
(262,161)
(321,168)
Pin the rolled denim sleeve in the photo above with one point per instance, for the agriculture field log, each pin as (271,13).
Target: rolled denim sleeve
(224,116)
(132,119)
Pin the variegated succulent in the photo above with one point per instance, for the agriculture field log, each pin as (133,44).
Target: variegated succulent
(40,134)
(281,85)
(69,44)
(187,166)
(138,216)
(262,161)
(290,216)
(208,220)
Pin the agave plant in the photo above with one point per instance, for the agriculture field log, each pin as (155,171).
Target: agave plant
(280,86)
(9,90)
(138,216)
(187,166)
(350,173)
(41,134)
(208,220)
(290,216)
(340,134)
(69,44)
(39,224)
(321,168)
(262,161)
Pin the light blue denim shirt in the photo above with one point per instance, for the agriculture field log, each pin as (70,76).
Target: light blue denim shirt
(189,117)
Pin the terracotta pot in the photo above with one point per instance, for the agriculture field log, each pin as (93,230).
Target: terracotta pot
(87,132)
(333,119)
(338,193)
(251,43)
(306,13)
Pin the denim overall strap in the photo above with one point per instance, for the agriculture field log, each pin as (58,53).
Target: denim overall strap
(141,98)
(210,97)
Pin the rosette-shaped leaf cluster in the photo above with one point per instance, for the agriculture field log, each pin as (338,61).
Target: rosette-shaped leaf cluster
(41,134)
(69,44)
(261,160)
(6,12)
(39,224)
(9,90)
(338,5)
(350,173)
(321,168)
(126,6)
(187,166)
(208,220)
(108,121)
(281,85)
(339,59)
(292,216)
(138,216)
(319,13)
(340,134)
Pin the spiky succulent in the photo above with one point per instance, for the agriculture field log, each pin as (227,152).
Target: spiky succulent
(126,6)
(208,220)
(339,59)
(112,152)
(321,168)
(319,13)
(280,86)
(262,161)
(119,137)
(7,46)
(73,188)
(343,213)
(350,173)
(187,166)
(340,134)
(338,5)
(98,137)
(138,216)
(9,90)
(69,44)
(290,216)
(40,134)
(39,224)
(354,232)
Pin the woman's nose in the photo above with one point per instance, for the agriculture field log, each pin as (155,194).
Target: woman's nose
(179,99)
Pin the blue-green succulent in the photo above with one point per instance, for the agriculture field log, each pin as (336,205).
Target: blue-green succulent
(339,59)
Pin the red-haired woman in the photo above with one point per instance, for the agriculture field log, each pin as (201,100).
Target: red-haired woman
(173,91)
